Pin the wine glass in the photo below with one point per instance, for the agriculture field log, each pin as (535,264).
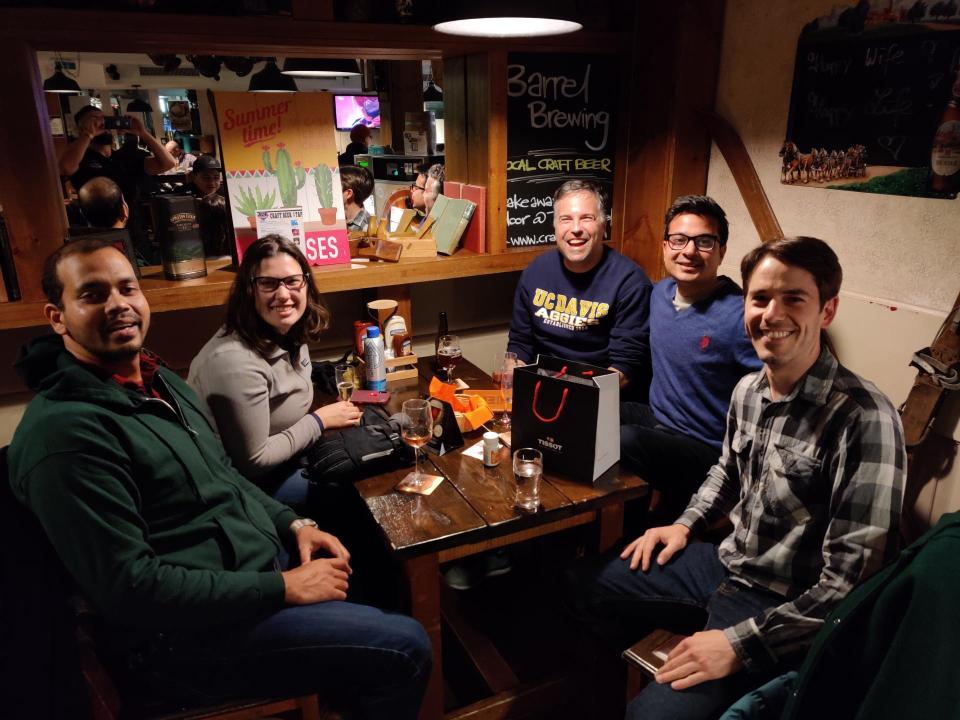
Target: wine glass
(416,423)
(448,354)
(503,365)
(344,377)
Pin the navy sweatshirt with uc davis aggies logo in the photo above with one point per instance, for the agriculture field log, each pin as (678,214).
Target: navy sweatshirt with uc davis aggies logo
(599,317)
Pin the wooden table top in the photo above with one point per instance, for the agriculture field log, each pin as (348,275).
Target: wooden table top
(474,504)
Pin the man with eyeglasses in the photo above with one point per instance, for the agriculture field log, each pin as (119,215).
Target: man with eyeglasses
(699,351)
(183,558)
(417,188)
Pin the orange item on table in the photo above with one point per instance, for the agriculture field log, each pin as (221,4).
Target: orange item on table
(472,411)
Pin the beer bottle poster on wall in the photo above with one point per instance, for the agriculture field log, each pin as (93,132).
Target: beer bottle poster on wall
(279,152)
(560,126)
(874,107)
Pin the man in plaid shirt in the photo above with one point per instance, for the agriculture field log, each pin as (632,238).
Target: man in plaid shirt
(811,474)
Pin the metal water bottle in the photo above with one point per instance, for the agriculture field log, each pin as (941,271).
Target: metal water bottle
(374,358)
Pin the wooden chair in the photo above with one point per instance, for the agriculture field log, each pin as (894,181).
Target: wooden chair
(48,659)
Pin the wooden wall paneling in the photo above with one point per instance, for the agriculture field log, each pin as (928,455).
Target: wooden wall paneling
(313,9)
(676,56)
(620,197)
(487,138)
(405,93)
(456,148)
(29,181)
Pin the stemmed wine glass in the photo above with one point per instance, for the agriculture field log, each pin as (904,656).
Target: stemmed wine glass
(448,354)
(416,423)
(503,365)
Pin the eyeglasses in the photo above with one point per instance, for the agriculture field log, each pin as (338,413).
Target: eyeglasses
(271,284)
(678,241)
(414,186)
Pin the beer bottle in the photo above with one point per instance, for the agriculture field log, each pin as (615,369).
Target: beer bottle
(945,154)
(442,330)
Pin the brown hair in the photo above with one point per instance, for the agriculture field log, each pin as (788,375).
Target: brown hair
(806,253)
(358,179)
(242,316)
(359,133)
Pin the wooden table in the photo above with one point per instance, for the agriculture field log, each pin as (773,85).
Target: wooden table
(471,512)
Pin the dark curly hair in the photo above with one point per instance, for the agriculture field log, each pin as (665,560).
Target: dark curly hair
(242,316)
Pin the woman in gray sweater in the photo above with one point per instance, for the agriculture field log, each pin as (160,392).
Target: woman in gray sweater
(253,375)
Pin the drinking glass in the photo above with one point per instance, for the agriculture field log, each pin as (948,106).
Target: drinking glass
(448,354)
(503,366)
(344,376)
(416,423)
(527,470)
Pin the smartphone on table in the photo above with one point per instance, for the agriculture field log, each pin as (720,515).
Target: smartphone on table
(370,397)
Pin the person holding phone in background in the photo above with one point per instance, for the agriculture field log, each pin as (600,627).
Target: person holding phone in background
(91,155)
(253,377)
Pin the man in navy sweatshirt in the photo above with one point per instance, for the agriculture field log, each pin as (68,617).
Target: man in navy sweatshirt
(700,351)
(586,302)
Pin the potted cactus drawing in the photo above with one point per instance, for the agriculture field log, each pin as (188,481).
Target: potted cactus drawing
(248,204)
(323,180)
(290,176)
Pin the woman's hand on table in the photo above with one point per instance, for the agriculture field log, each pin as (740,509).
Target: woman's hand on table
(340,414)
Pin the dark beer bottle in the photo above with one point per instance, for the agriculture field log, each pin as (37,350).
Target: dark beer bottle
(442,330)
(945,153)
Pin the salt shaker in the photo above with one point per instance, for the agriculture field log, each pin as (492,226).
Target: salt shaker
(491,449)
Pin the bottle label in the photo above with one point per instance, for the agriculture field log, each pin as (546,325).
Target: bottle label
(945,156)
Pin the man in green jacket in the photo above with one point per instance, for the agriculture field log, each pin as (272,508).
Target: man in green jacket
(178,552)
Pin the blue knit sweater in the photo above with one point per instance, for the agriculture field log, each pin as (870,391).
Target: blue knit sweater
(699,354)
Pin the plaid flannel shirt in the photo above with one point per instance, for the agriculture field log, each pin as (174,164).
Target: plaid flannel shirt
(813,484)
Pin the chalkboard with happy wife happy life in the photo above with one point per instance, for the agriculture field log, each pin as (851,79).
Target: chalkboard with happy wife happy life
(560,126)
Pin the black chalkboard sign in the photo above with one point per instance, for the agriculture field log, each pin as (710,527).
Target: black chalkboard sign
(885,88)
(560,125)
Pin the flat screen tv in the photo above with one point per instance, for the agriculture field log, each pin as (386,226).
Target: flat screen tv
(353,110)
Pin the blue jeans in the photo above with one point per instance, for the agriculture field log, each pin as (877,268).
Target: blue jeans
(371,663)
(620,606)
(673,463)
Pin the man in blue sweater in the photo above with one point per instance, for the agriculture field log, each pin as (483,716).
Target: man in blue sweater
(699,350)
(586,302)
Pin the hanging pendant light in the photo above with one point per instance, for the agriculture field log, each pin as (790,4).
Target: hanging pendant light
(507,18)
(60,83)
(271,80)
(319,67)
(432,93)
(138,104)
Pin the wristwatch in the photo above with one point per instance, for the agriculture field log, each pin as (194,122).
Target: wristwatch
(300,523)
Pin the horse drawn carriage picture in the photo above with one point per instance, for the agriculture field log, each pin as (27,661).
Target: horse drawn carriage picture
(821,165)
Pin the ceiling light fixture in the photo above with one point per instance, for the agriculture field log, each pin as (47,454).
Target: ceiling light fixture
(432,93)
(319,67)
(271,80)
(138,104)
(507,18)
(60,83)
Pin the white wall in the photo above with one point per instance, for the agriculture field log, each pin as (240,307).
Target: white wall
(896,249)
(899,254)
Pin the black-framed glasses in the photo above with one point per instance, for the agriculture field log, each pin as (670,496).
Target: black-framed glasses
(272,284)
(678,241)
(414,186)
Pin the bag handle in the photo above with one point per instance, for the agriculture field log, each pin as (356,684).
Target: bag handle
(563,401)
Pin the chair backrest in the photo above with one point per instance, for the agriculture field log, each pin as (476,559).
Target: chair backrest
(39,664)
